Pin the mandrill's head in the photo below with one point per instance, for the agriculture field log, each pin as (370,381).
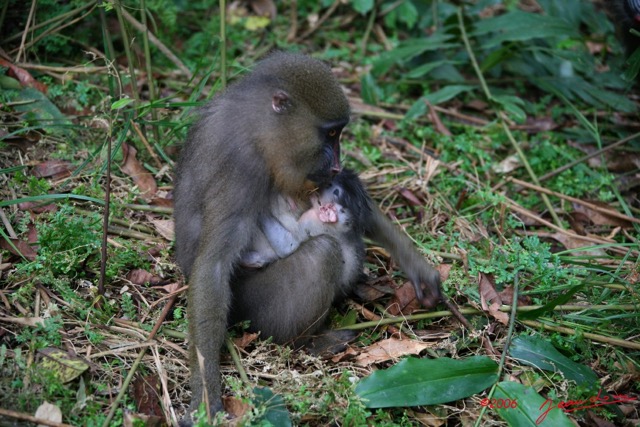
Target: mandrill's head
(301,111)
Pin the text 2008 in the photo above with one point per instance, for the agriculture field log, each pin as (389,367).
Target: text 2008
(499,403)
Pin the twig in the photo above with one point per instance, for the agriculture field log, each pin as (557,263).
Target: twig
(237,361)
(26,30)
(589,156)
(133,80)
(367,31)
(105,219)
(146,144)
(223,44)
(634,345)
(513,205)
(591,206)
(320,21)
(64,70)
(157,43)
(150,81)
(149,208)
(134,367)
(293,21)
(31,418)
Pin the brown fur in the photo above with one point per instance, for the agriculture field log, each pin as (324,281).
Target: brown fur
(273,134)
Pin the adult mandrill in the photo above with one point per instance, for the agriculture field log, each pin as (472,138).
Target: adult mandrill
(273,134)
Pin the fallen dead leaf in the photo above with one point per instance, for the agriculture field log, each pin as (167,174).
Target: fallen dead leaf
(142,277)
(66,367)
(444,270)
(390,349)
(130,419)
(234,406)
(141,177)
(246,339)
(507,296)
(349,354)
(164,227)
(574,244)
(23,76)
(490,300)
(403,301)
(600,218)
(49,412)
(56,169)
(37,207)
(20,248)
(146,395)
(507,165)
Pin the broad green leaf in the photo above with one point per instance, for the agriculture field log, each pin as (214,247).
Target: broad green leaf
(522,26)
(415,382)
(362,6)
(418,109)
(537,352)
(276,412)
(370,91)
(633,64)
(447,93)
(407,13)
(37,107)
(511,105)
(526,407)
(410,49)
(121,103)
(426,68)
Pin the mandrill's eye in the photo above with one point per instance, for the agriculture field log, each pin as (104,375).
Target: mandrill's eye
(333,133)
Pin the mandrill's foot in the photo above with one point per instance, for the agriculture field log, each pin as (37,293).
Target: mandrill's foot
(330,342)
(187,420)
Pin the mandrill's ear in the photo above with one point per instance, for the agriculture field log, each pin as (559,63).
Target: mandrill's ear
(280,102)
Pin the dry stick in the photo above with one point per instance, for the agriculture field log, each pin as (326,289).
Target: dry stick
(105,218)
(591,206)
(635,345)
(7,224)
(223,53)
(320,21)
(127,380)
(588,156)
(149,208)
(133,82)
(367,31)
(26,30)
(157,43)
(30,418)
(57,29)
(505,308)
(150,82)
(293,21)
(237,361)
(53,20)
(62,70)
(536,218)
(502,116)
(146,144)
